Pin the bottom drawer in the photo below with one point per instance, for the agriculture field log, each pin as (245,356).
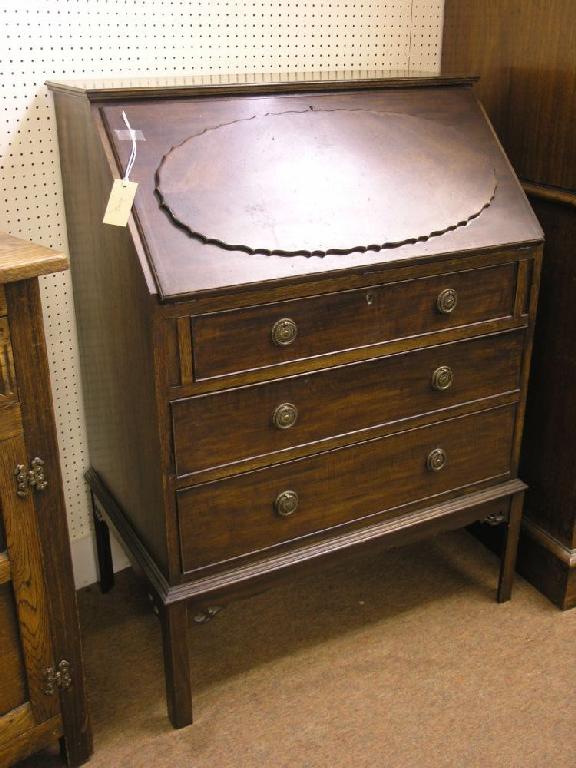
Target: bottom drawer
(260,509)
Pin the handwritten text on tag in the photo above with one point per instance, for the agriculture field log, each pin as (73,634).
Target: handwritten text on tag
(120,202)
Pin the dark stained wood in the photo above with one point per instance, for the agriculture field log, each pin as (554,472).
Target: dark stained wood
(554,576)
(232,517)
(116,336)
(340,400)
(525,53)
(512,533)
(319,182)
(184,265)
(551,194)
(103,549)
(174,622)
(547,458)
(254,82)
(164,317)
(241,340)
(346,280)
(246,578)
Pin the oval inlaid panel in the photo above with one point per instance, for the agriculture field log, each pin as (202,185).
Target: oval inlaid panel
(318,182)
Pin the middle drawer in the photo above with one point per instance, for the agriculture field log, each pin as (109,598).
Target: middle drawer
(236,424)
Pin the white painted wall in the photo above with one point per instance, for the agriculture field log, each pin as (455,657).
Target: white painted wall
(50,39)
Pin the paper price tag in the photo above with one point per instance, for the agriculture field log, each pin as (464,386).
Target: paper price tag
(120,203)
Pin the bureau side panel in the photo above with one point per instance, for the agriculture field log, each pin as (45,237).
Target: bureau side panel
(114,304)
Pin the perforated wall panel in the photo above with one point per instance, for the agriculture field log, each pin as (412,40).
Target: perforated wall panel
(78,38)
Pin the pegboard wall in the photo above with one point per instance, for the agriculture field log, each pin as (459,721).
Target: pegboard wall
(104,38)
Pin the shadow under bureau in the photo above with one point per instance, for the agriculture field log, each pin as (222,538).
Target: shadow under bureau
(312,337)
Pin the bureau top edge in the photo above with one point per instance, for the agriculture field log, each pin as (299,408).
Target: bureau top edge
(251,83)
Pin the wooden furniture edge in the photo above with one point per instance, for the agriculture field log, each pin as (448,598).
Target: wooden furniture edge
(23,737)
(550,194)
(33,376)
(217,583)
(540,563)
(126,532)
(22,260)
(563,553)
(361,271)
(544,561)
(254,83)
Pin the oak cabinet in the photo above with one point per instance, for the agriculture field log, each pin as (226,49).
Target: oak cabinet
(41,675)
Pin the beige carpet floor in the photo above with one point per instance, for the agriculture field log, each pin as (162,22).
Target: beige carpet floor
(402,660)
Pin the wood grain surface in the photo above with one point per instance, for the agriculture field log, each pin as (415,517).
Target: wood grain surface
(20,259)
(50,557)
(317,181)
(21,735)
(203,325)
(339,401)
(184,265)
(229,342)
(227,83)
(525,54)
(13,692)
(26,564)
(232,517)
(4,566)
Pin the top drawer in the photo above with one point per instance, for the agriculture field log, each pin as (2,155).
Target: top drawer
(272,334)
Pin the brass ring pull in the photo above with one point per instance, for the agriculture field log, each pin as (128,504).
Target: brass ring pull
(286,503)
(447,301)
(442,378)
(284,332)
(436,460)
(285,416)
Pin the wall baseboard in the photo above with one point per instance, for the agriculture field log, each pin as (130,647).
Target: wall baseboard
(84,560)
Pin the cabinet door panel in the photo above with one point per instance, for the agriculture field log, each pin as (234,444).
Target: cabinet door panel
(27,582)
(12,674)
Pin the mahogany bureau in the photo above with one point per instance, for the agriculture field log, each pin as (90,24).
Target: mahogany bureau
(313,335)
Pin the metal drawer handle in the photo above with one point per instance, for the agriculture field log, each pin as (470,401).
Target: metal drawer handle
(436,460)
(442,378)
(286,503)
(284,332)
(447,301)
(285,416)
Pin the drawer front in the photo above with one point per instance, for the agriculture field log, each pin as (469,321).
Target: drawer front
(221,428)
(260,509)
(246,339)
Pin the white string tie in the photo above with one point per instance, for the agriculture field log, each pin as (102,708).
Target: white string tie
(132,158)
